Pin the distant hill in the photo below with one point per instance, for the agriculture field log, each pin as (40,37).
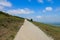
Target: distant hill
(9,25)
(54,24)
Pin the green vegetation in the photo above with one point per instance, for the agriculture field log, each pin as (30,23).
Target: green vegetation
(49,30)
(9,26)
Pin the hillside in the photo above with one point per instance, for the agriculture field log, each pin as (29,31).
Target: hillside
(9,26)
(50,30)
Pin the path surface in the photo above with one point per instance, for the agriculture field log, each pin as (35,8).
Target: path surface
(31,32)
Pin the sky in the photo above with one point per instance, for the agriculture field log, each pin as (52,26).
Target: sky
(47,11)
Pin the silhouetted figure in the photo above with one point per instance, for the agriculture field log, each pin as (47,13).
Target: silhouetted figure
(31,19)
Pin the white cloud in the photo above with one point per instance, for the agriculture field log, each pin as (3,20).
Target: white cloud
(1,8)
(38,16)
(5,3)
(47,9)
(20,11)
(41,1)
(50,1)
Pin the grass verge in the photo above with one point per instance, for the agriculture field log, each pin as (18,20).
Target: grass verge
(9,26)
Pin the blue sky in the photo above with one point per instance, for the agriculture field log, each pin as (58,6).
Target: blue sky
(40,10)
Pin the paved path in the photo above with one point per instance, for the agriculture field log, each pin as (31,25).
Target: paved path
(31,32)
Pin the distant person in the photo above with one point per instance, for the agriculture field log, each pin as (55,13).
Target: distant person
(31,19)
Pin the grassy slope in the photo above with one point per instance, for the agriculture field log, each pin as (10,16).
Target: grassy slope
(9,25)
(49,30)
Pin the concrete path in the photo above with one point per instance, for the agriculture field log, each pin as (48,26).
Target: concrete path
(31,32)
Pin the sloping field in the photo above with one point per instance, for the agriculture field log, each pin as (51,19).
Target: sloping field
(9,26)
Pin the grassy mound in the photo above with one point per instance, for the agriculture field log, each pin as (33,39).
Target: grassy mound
(9,26)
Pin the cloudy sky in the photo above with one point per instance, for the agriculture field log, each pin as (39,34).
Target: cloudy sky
(39,10)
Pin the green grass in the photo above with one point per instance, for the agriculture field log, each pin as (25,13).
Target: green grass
(9,26)
(50,30)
